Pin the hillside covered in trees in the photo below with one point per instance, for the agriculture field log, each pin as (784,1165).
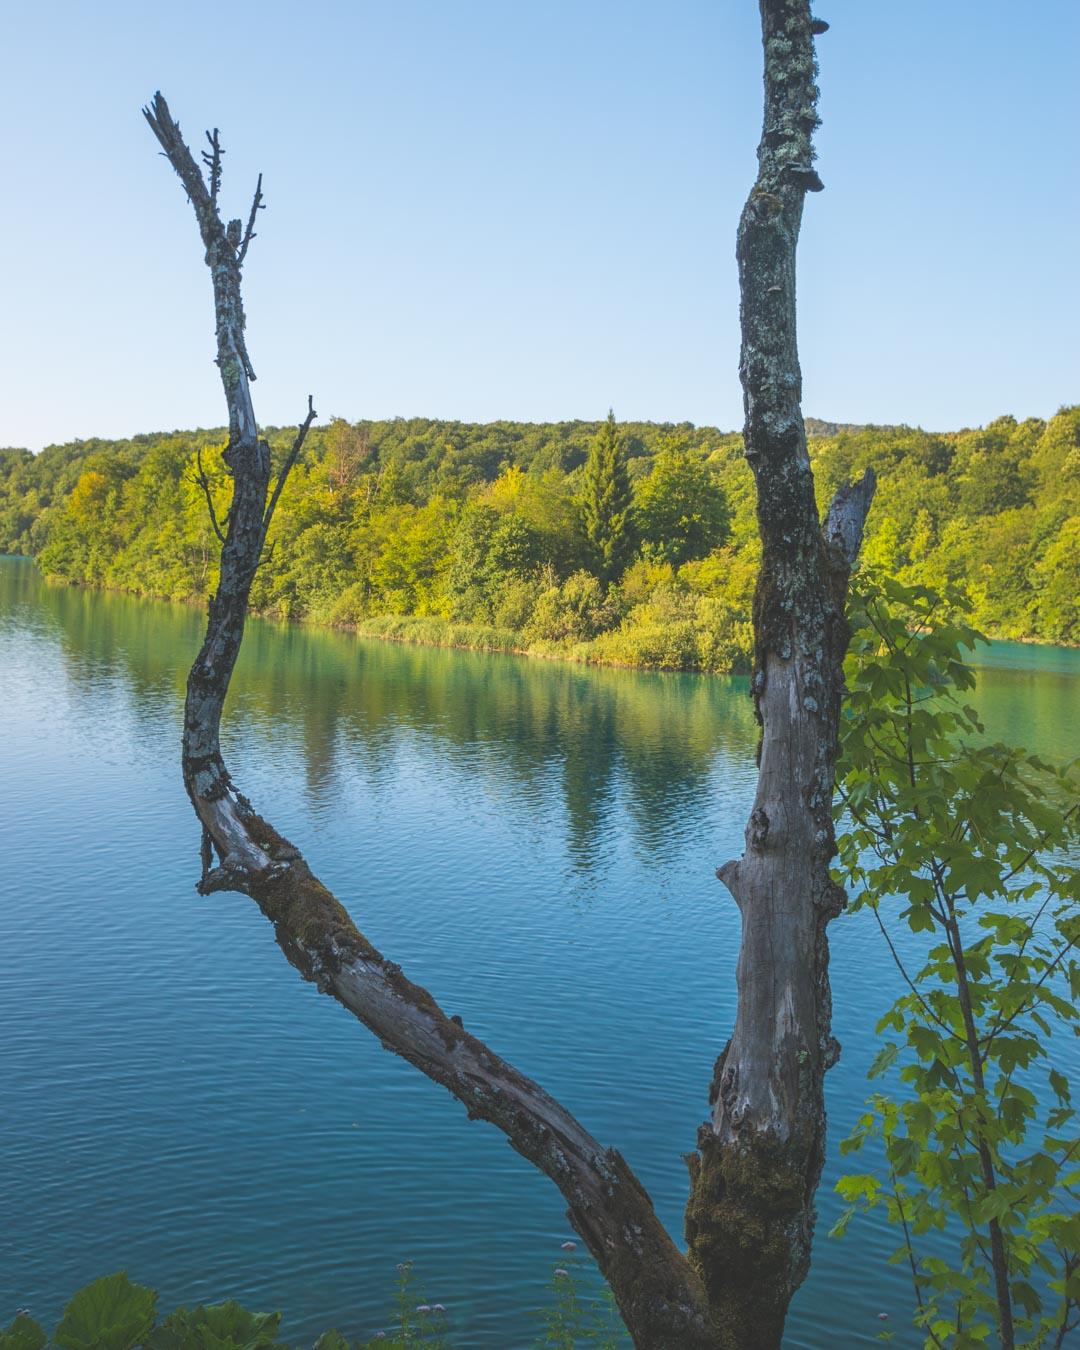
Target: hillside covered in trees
(629,543)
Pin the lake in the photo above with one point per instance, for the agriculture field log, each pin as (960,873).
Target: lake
(534,841)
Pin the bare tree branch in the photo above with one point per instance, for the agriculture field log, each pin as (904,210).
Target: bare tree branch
(750,1217)
(249,233)
(659,1294)
(847,514)
(201,479)
(213,164)
(286,468)
(179,156)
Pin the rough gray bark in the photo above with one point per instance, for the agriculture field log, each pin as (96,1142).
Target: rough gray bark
(659,1295)
(750,1215)
(750,1218)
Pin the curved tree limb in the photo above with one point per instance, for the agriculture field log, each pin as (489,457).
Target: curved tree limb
(659,1295)
(750,1215)
(201,480)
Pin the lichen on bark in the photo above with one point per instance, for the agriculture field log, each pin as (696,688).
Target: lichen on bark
(750,1217)
(749,1220)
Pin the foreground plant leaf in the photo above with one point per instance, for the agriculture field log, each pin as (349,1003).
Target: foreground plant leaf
(23,1334)
(113,1313)
(216,1326)
(331,1340)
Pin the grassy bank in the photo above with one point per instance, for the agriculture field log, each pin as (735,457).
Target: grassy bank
(681,645)
(432,632)
(642,651)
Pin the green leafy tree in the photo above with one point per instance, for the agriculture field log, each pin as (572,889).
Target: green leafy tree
(967,843)
(991,467)
(993,513)
(347,450)
(573,611)
(605,503)
(1058,576)
(468,575)
(490,551)
(680,507)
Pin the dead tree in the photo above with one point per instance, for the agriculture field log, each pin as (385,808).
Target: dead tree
(750,1218)
(750,1215)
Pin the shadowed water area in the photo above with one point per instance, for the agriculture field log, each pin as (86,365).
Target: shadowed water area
(535,842)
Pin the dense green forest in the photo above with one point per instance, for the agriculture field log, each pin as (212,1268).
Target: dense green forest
(629,543)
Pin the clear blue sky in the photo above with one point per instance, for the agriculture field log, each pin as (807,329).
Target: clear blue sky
(526,209)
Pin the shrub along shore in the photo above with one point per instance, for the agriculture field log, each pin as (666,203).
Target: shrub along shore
(617,543)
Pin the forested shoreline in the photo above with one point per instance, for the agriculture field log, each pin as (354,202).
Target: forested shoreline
(618,543)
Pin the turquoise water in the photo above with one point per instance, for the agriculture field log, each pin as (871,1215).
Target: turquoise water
(534,841)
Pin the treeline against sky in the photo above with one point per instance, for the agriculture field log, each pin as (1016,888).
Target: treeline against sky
(628,543)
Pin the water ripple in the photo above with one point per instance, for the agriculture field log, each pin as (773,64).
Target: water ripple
(535,842)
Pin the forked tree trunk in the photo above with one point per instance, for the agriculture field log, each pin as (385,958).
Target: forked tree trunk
(750,1215)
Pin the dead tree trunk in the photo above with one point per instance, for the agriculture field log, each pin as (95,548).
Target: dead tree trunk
(750,1215)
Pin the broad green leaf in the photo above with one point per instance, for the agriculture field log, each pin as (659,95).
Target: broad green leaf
(952,830)
(216,1326)
(860,1186)
(840,1227)
(1026,1296)
(113,1313)
(23,1334)
(883,1060)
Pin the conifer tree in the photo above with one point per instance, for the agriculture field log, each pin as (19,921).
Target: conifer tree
(605,503)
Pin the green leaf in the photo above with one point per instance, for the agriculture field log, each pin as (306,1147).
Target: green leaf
(859,1186)
(1027,1297)
(994,1204)
(23,1334)
(111,1314)
(966,837)
(839,1228)
(925,1041)
(883,1060)
(893,1020)
(919,918)
(216,1326)
(331,1340)
(1013,1052)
